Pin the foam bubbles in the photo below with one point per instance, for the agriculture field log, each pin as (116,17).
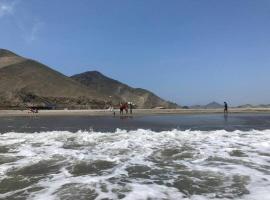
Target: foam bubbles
(139,164)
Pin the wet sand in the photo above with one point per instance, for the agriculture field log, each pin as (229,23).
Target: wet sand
(136,112)
(203,122)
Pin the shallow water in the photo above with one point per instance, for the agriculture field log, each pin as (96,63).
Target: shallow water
(135,164)
(203,122)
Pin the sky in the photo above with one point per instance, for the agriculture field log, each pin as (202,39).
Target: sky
(187,51)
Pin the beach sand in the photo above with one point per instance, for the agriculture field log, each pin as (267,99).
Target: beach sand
(136,112)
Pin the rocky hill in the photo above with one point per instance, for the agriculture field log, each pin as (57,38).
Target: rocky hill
(212,105)
(25,82)
(94,80)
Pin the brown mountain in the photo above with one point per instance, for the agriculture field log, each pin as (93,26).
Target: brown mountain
(94,80)
(24,81)
(212,105)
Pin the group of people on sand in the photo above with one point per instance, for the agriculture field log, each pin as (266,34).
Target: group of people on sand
(125,107)
(32,110)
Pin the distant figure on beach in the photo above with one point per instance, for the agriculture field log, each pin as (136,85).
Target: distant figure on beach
(126,108)
(121,109)
(33,110)
(130,108)
(225,108)
(112,110)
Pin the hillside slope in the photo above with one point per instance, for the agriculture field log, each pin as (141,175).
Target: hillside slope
(212,105)
(24,81)
(94,80)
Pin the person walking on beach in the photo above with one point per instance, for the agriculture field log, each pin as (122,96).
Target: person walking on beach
(225,108)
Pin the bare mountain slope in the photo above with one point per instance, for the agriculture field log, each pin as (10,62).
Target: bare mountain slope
(212,105)
(24,81)
(94,80)
(9,58)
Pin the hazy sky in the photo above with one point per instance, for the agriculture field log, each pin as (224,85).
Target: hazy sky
(187,51)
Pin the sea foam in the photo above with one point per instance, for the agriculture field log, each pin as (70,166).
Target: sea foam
(140,164)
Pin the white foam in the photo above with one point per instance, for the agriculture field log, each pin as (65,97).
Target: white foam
(137,148)
(140,191)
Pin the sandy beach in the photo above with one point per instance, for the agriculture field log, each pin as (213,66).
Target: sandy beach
(136,112)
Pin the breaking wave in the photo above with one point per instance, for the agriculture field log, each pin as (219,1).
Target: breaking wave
(140,164)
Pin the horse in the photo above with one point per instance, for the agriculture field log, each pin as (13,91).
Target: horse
(123,107)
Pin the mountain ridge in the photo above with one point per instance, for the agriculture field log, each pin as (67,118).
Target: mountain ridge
(28,82)
(211,105)
(141,97)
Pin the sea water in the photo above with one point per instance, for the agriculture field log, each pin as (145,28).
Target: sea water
(135,165)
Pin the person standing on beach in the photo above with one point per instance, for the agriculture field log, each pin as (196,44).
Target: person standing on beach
(113,111)
(130,108)
(126,108)
(121,109)
(225,108)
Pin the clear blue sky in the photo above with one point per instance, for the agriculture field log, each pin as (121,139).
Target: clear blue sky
(187,51)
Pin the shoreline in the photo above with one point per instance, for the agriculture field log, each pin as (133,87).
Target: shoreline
(136,112)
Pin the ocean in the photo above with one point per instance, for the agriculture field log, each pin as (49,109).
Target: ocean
(162,157)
